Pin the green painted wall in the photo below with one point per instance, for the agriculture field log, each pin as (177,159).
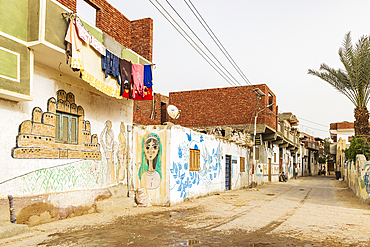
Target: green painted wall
(142,61)
(8,64)
(129,56)
(56,26)
(22,87)
(13,18)
(33,20)
(98,35)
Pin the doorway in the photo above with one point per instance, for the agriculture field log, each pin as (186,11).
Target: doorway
(228,172)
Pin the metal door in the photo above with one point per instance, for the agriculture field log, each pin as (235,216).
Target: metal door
(228,173)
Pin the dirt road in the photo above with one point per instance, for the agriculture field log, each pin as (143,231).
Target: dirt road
(310,211)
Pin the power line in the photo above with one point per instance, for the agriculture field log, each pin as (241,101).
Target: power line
(218,43)
(314,128)
(201,42)
(193,45)
(313,122)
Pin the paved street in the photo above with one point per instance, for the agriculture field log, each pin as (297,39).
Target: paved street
(310,211)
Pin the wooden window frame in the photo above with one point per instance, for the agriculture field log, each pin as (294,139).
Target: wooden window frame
(242,164)
(194,160)
(59,130)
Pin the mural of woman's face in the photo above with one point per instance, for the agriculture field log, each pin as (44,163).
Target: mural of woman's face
(151,150)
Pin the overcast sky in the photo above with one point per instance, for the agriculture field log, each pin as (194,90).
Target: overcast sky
(273,42)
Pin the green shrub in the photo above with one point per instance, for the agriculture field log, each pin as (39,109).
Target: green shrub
(358,146)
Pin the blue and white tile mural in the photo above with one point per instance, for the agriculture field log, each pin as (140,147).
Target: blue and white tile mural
(183,182)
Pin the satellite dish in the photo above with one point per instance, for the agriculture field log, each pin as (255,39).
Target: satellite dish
(173,112)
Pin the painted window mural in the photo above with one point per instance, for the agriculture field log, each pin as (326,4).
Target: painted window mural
(184,181)
(150,173)
(59,133)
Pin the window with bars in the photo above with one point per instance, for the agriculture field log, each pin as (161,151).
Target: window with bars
(66,128)
(242,164)
(194,163)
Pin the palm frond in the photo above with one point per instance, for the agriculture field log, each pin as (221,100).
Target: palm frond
(354,80)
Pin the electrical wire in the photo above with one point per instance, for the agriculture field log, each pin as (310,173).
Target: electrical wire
(193,45)
(186,36)
(313,128)
(312,122)
(218,43)
(202,42)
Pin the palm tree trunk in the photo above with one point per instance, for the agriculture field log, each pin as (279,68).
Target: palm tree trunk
(361,125)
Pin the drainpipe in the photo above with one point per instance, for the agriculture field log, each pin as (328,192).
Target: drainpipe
(153,109)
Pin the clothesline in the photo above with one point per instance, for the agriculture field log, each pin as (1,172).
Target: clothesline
(136,78)
(72,15)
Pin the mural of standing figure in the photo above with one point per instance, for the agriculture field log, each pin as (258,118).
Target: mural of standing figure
(109,145)
(150,173)
(122,154)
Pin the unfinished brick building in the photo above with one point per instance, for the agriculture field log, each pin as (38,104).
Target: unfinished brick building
(221,111)
(136,35)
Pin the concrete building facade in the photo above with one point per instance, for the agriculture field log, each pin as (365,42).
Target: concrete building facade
(65,135)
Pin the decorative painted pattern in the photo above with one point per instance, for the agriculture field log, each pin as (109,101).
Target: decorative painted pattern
(183,179)
(80,175)
(41,137)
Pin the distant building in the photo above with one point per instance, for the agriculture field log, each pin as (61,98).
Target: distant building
(344,130)
(341,134)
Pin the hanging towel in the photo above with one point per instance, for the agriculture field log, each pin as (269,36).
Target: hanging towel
(97,45)
(82,31)
(137,76)
(148,76)
(74,50)
(125,68)
(110,65)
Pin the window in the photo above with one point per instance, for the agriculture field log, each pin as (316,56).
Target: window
(66,126)
(274,157)
(194,163)
(242,164)
(86,11)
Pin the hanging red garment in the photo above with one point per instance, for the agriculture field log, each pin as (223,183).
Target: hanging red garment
(138,77)
(148,94)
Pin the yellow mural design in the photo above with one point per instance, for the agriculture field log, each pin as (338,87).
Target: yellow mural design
(59,133)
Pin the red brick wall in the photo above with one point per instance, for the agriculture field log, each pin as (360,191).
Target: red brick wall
(142,37)
(135,35)
(140,119)
(223,106)
(71,4)
(343,125)
(145,108)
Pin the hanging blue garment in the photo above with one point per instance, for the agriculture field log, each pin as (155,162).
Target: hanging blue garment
(148,76)
(110,65)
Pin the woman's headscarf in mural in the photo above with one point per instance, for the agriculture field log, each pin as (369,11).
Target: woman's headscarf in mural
(157,160)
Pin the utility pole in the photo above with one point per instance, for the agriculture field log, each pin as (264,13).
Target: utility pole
(258,93)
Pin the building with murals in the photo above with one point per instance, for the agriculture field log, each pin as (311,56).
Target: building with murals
(67,113)
(75,125)
(173,163)
(229,114)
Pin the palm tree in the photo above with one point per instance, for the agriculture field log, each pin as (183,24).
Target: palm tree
(353,81)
